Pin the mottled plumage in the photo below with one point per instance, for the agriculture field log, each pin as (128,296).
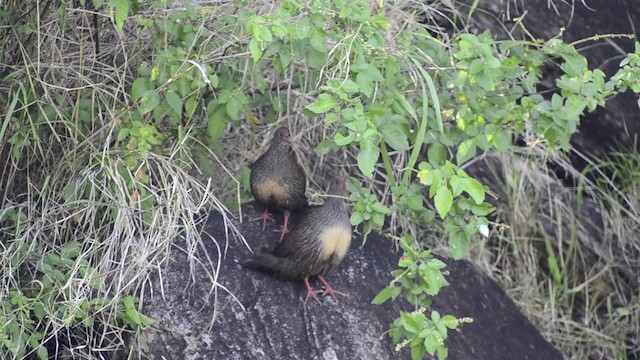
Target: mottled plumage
(277,179)
(315,247)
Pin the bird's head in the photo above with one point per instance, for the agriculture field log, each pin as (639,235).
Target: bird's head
(282,135)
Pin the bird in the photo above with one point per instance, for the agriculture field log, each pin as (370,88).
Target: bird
(315,247)
(278,181)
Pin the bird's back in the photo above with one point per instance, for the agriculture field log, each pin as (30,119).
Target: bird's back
(319,242)
(278,181)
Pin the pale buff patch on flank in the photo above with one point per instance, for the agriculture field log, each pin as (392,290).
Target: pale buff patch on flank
(270,189)
(335,240)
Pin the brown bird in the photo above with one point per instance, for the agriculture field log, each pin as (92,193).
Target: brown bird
(316,246)
(277,179)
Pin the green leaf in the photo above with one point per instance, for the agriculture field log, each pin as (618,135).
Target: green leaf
(458,243)
(386,294)
(457,185)
(256,49)
(234,107)
(575,107)
(395,137)
(133,316)
(368,157)
(443,201)
(121,11)
(356,218)
(449,321)
(417,352)
(425,176)
(317,40)
(326,147)
(410,324)
(378,207)
(138,88)
(436,264)
(216,123)
(436,154)
(502,140)
(38,310)
(342,140)
(432,342)
(122,134)
(466,150)
(174,101)
(475,189)
(149,101)
(324,103)
(367,75)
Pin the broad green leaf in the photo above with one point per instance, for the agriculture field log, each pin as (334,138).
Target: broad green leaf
(443,201)
(475,189)
(326,147)
(458,243)
(138,88)
(342,140)
(256,49)
(121,11)
(449,321)
(386,293)
(395,137)
(317,40)
(149,101)
(432,342)
(356,218)
(436,264)
(368,157)
(378,207)
(409,322)
(174,101)
(417,352)
(436,154)
(133,316)
(123,134)
(190,106)
(414,202)
(216,124)
(234,107)
(575,107)
(367,75)
(483,209)
(425,176)
(324,103)
(466,150)
(457,185)
(502,140)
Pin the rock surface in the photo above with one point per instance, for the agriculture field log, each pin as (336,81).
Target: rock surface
(277,324)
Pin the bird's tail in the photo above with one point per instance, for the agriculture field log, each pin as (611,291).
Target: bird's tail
(271,264)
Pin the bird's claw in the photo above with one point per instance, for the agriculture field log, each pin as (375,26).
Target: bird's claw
(264,217)
(283,231)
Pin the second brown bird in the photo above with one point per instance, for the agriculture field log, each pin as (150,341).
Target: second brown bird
(316,246)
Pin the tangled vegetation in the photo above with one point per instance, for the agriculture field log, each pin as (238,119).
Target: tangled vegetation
(118,111)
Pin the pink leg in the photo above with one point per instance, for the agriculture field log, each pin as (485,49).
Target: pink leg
(310,292)
(328,290)
(285,228)
(265,216)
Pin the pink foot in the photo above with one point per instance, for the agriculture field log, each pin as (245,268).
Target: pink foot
(265,216)
(310,292)
(328,290)
(284,229)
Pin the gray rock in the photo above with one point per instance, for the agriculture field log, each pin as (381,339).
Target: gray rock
(277,324)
